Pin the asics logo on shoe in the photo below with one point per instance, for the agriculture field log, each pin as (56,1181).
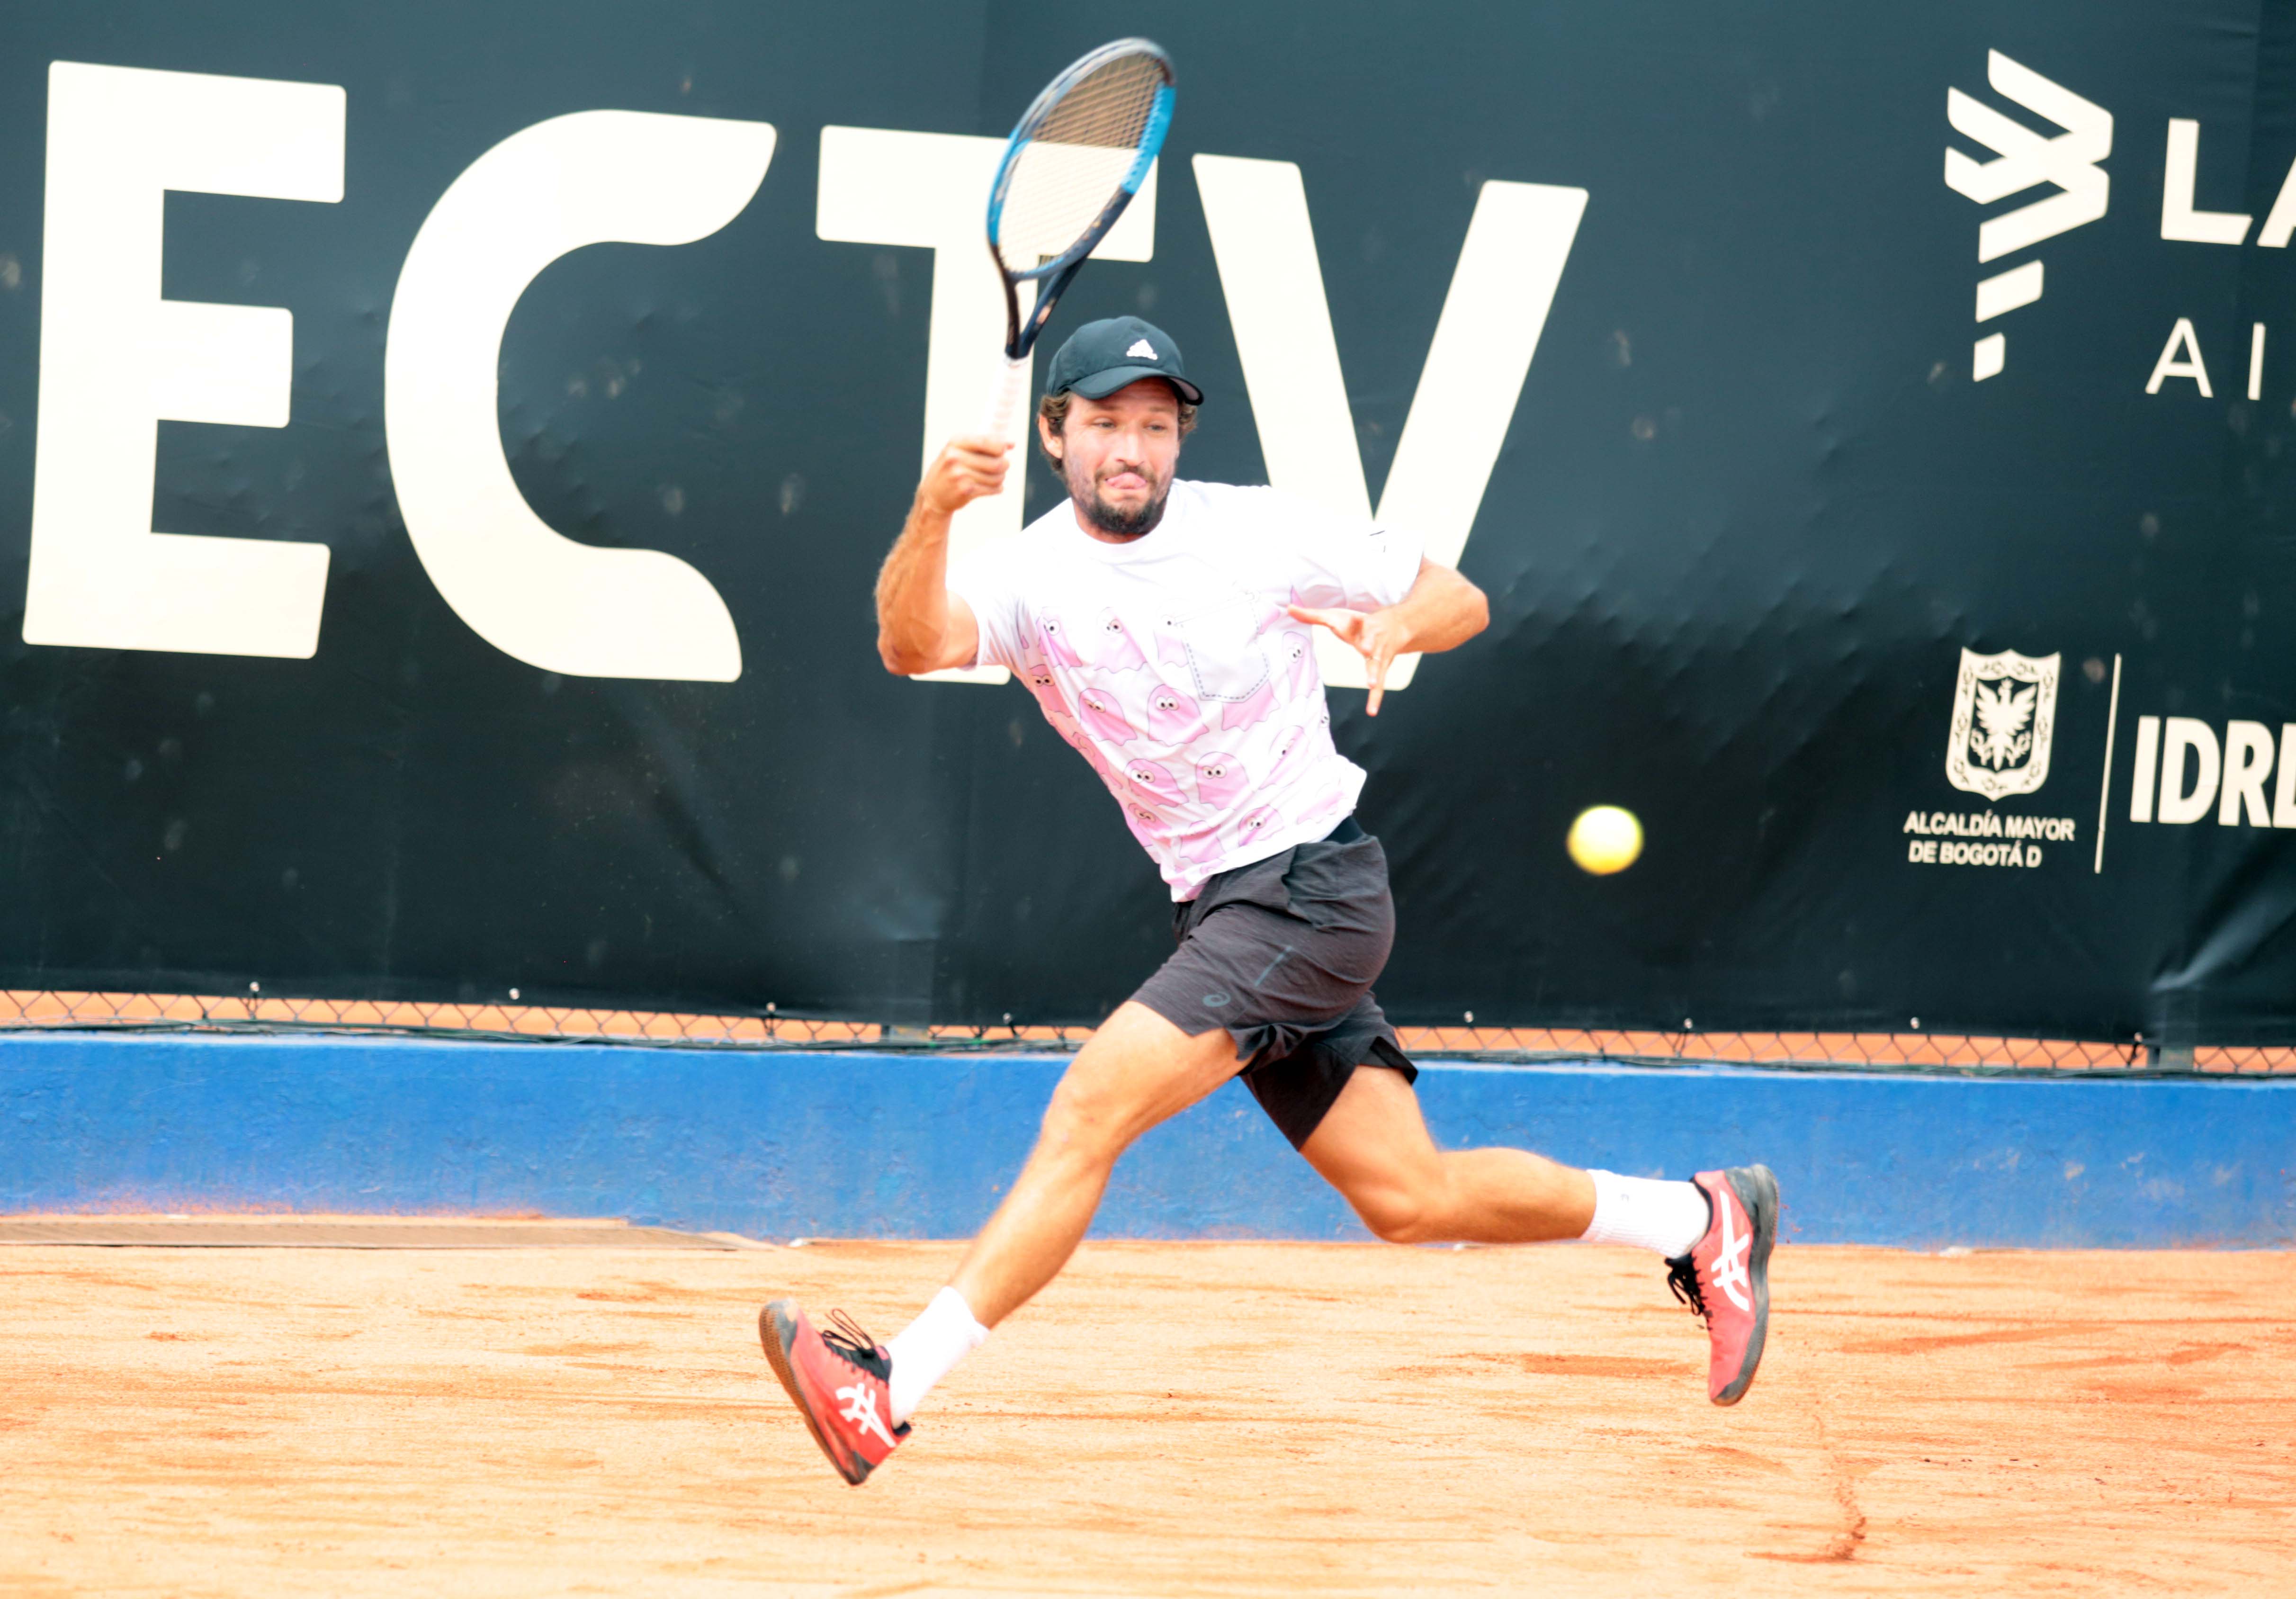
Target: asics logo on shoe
(1730,1264)
(861,1410)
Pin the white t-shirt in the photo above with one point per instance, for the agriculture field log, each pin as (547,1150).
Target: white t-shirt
(1169,664)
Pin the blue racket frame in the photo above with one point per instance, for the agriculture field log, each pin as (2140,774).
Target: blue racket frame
(1056,273)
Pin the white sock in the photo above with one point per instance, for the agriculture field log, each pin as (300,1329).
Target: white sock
(929,1347)
(1670,1218)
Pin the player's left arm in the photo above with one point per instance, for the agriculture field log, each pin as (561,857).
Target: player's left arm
(1441,612)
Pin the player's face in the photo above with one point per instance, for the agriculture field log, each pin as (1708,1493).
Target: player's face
(1118,456)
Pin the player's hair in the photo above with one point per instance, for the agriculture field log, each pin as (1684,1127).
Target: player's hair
(1055,409)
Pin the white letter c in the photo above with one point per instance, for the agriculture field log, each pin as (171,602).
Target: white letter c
(593,177)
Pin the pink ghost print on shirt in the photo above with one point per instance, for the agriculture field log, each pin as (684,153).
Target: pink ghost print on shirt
(1286,746)
(1066,727)
(1190,857)
(1118,650)
(1327,806)
(1244,713)
(1173,718)
(1142,822)
(1219,779)
(1299,653)
(1171,647)
(1103,717)
(1054,635)
(1155,781)
(1254,822)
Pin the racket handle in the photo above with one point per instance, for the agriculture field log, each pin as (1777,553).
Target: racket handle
(1012,393)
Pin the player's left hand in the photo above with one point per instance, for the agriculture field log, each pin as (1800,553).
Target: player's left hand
(1377,635)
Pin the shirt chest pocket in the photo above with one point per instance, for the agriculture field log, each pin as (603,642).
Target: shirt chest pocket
(1221,647)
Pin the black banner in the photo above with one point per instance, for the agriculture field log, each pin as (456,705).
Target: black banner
(1872,427)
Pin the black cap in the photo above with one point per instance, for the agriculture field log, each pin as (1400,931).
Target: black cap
(1101,357)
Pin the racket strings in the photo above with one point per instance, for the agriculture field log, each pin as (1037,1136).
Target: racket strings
(1109,106)
(1078,155)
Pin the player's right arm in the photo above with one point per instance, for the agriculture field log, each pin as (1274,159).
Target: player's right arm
(921,625)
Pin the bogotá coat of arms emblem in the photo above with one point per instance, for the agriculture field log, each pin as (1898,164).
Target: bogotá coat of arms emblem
(2005,709)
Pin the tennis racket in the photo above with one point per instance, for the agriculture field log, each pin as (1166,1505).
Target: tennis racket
(1073,164)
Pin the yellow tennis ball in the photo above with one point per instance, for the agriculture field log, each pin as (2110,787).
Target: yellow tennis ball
(1606,838)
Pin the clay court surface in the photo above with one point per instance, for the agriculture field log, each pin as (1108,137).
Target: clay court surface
(1168,1419)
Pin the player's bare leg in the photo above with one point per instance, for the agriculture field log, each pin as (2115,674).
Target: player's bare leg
(1136,1070)
(1373,1147)
(1714,1231)
(856,1394)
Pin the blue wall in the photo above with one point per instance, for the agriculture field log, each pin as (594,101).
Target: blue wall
(779,1146)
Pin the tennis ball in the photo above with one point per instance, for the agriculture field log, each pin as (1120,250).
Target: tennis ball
(1606,838)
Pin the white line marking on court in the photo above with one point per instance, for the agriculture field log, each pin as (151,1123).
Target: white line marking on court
(2105,788)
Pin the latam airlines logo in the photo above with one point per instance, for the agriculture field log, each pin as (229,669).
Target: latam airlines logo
(2024,159)
(2070,163)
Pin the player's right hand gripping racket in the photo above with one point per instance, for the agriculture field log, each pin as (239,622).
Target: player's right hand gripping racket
(1074,163)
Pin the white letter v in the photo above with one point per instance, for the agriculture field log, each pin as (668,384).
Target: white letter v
(1517,240)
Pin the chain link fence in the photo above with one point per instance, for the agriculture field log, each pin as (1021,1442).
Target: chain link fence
(49,1010)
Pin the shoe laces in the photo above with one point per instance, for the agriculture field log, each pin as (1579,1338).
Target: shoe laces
(844,1334)
(1682,1278)
(856,1348)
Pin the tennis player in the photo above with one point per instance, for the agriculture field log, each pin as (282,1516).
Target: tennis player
(1164,627)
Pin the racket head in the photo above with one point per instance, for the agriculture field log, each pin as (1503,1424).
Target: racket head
(1076,158)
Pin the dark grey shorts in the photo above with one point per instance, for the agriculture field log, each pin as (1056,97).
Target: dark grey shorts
(1282,953)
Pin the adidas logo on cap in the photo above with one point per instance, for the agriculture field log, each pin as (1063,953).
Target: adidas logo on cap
(1141,346)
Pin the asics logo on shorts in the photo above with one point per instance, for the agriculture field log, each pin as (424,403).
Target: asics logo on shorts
(861,1410)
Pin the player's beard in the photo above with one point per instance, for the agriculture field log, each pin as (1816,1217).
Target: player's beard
(1115,519)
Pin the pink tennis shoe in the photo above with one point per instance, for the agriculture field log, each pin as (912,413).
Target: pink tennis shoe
(838,1381)
(1725,1277)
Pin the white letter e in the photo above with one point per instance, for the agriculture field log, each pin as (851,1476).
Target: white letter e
(115,358)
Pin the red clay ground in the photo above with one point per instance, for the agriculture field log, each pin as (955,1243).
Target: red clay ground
(1168,1419)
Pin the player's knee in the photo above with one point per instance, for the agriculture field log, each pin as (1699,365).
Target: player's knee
(1401,1213)
(1089,1123)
